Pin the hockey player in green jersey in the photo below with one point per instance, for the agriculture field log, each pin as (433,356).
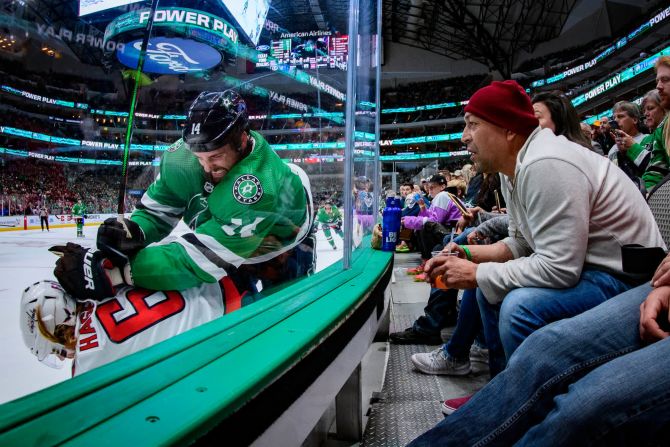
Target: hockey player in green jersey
(243,204)
(78,215)
(330,218)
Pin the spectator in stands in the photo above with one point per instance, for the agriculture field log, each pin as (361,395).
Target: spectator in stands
(588,134)
(598,378)
(595,143)
(603,133)
(563,253)
(467,172)
(554,111)
(652,110)
(474,183)
(638,153)
(659,159)
(627,116)
(410,200)
(431,224)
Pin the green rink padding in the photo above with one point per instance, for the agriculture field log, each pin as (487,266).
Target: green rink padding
(178,390)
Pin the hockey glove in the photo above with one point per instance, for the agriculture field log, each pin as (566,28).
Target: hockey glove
(115,243)
(87,274)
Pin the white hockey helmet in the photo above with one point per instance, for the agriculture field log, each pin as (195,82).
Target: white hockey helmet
(55,307)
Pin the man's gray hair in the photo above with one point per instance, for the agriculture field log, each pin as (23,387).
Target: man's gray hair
(629,107)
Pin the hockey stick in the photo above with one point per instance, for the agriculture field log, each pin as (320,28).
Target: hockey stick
(129,129)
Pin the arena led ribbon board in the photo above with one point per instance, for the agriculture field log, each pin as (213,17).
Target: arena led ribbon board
(171,56)
(90,6)
(186,22)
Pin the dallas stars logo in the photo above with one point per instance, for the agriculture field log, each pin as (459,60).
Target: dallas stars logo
(247,189)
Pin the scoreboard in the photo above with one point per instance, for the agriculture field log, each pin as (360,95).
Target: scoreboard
(307,53)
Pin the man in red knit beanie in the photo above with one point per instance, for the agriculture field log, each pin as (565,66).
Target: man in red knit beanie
(566,228)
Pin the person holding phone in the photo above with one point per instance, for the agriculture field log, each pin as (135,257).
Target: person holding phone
(639,152)
(627,119)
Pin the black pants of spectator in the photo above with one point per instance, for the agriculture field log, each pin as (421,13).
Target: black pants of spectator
(44,220)
(430,237)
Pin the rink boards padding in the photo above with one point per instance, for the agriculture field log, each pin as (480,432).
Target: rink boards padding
(231,370)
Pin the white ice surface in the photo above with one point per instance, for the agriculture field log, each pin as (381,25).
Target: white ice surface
(24,259)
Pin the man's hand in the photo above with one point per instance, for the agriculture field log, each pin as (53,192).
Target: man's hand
(115,243)
(456,273)
(87,273)
(462,223)
(622,140)
(654,317)
(474,237)
(662,275)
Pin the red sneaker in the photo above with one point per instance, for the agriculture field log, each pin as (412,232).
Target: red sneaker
(451,405)
(417,270)
(421,277)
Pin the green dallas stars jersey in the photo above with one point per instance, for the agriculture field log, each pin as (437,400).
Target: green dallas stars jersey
(260,209)
(328,218)
(78,209)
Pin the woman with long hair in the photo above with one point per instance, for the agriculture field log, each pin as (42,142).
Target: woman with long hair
(556,112)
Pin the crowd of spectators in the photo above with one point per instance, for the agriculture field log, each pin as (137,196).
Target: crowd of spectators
(535,302)
(29,184)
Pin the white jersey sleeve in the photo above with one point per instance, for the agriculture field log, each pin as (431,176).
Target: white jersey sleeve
(137,318)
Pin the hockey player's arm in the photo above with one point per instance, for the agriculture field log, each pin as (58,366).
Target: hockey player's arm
(169,267)
(221,244)
(213,251)
(164,203)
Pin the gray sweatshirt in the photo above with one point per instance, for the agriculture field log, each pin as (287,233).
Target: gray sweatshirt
(569,208)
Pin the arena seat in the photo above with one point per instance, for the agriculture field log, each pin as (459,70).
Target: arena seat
(659,202)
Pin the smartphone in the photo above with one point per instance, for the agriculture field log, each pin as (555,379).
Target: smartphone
(614,125)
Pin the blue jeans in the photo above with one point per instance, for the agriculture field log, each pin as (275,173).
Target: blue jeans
(440,312)
(441,307)
(468,330)
(461,239)
(579,381)
(525,310)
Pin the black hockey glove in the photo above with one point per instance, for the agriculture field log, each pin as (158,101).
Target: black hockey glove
(85,273)
(115,243)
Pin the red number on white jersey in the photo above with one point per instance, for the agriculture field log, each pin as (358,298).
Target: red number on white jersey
(140,315)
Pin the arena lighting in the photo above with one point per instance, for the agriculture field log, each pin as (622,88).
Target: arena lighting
(661,16)
(182,20)
(61,159)
(618,78)
(444,105)
(206,27)
(40,98)
(6,130)
(423,156)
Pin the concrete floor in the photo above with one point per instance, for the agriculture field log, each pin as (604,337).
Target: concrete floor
(409,401)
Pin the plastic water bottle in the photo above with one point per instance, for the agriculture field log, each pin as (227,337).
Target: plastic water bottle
(390,224)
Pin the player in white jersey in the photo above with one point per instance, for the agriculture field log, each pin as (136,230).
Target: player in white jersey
(55,326)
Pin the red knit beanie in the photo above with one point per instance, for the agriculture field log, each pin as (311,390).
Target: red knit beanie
(506,105)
